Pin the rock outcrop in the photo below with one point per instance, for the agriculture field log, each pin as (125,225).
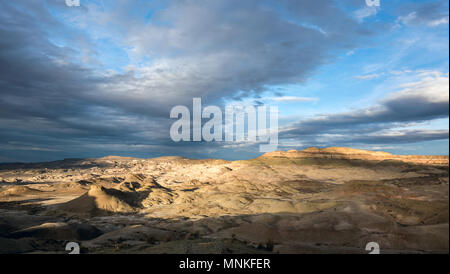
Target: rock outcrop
(358,154)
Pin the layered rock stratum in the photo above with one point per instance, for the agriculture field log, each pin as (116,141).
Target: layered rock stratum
(358,154)
(331,200)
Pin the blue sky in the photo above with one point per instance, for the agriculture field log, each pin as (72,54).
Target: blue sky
(100,79)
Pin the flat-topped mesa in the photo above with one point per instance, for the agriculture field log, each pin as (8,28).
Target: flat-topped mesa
(359,154)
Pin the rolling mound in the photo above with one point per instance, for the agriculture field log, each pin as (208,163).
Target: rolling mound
(20,190)
(97,201)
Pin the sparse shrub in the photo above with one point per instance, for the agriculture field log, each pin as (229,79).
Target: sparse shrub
(233,237)
(269,245)
(150,239)
(194,235)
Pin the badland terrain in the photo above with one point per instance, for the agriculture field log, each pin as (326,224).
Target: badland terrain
(330,200)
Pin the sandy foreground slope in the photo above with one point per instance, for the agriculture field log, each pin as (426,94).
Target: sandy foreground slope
(332,200)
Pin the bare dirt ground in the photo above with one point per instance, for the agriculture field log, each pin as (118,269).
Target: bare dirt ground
(316,201)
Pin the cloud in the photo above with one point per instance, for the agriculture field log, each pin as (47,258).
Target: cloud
(404,136)
(64,92)
(414,19)
(368,77)
(429,14)
(423,100)
(57,93)
(215,48)
(290,99)
(366,12)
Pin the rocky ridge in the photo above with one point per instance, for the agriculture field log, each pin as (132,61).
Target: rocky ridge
(357,154)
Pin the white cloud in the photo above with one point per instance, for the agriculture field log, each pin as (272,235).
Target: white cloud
(368,76)
(289,99)
(430,15)
(433,87)
(365,12)
(438,22)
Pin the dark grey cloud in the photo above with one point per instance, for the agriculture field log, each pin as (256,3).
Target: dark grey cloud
(58,99)
(46,93)
(54,99)
(424,100)
(391,112)
(214,49)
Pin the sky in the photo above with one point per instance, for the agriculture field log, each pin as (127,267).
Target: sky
(101,78)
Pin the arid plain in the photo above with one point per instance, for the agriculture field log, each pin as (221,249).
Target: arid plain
(332,200)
